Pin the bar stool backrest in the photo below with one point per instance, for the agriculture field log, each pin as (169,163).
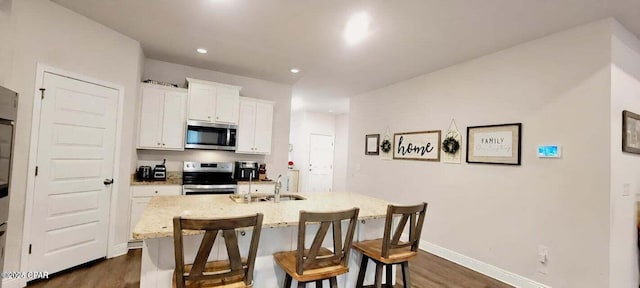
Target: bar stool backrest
(409,214)
(211,228)
(311,257)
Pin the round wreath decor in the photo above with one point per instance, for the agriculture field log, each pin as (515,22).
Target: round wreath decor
(450,145)
(385,146)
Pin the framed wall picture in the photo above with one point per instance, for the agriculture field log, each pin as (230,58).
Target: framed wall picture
(372,144)
(630,132)
(423,145)
(494,144)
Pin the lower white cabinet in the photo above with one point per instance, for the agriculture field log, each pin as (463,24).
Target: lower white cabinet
(256,187)
(140,197)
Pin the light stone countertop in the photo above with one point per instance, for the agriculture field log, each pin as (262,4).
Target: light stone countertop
(157,219)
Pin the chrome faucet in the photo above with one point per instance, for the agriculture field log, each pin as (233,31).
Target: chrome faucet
(247,197)
(276,190)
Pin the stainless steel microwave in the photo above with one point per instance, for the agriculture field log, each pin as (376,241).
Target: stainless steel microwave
(205,135)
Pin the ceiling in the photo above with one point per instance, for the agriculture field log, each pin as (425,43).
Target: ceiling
(265,38)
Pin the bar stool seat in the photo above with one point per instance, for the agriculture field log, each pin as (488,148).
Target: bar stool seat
(373,250)
(316,271)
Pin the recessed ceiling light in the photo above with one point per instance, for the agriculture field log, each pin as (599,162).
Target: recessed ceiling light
(330,111)
(357,28)
(295,70)
(202,50)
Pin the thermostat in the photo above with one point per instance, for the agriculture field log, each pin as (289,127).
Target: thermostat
(549,151)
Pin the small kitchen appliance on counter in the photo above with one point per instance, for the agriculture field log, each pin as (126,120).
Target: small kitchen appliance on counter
(245,170)
(208,178)
(160,171)
(144,173)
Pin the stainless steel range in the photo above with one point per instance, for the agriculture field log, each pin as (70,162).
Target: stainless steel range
(208,178)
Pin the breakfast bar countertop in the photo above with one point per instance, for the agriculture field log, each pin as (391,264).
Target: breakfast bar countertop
(156,221)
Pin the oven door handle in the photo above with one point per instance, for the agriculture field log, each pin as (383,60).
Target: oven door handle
(206,188)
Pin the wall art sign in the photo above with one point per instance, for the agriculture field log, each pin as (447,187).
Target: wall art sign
(423,145)
(630,132)
(372,144)
(494,144)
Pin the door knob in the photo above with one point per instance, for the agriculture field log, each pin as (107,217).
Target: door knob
(108,181)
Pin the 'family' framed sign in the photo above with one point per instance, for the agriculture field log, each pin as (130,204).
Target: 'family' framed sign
(494,144)
(423,145)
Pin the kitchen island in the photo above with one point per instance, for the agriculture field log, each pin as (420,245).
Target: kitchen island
(279,231)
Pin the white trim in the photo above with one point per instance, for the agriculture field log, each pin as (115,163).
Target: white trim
(134,245)
(118,250)
(112,249)
(481,267)
(14,283)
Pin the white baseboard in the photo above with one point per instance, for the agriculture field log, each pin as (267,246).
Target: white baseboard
(14,283)
(134,245)
(481,267)
(117,250)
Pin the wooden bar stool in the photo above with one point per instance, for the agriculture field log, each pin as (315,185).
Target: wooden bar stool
(235,272)
(319,263)
(390,250)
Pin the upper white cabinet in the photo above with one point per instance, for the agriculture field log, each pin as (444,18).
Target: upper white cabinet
(162,117)
(213,102)
(255,126)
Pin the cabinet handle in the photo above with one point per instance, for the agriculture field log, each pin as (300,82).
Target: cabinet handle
(159,143)
(162,144)
(217,118)
(208,117)
(156,192)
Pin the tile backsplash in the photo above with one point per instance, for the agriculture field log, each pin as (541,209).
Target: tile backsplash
(176,158)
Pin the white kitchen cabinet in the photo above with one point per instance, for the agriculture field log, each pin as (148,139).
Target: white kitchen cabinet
(213,102)
(256,187)
(255,126)
(162,117)
(140,197)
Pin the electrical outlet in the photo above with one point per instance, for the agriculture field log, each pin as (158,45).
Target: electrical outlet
(543,259)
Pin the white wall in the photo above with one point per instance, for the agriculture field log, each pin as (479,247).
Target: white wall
(47,33)
(559,88)
(625,167)
(303,125)
(5,39)
(251,87)
(341,153)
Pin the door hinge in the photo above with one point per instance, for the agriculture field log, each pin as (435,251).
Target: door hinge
(36,170)
(30,248)
(42,93)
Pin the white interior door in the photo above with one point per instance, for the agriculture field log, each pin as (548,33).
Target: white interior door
(75,156)
(320,163)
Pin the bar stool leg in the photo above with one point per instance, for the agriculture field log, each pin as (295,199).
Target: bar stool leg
(301,284)
(363,271)
(333,282)
(287,281)
(319,284)
(389,283)
(379,275)
(406,280)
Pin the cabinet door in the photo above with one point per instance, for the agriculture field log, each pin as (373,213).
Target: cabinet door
(246,127)
(263,127)
(201,102)
(151,108)
(137,207)
(174,120)
(227,104)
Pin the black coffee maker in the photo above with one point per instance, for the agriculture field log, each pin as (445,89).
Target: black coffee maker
(245,169)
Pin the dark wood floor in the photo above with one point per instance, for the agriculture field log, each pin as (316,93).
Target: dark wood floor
(427,271)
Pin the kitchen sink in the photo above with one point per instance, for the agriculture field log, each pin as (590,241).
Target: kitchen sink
(266,198)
